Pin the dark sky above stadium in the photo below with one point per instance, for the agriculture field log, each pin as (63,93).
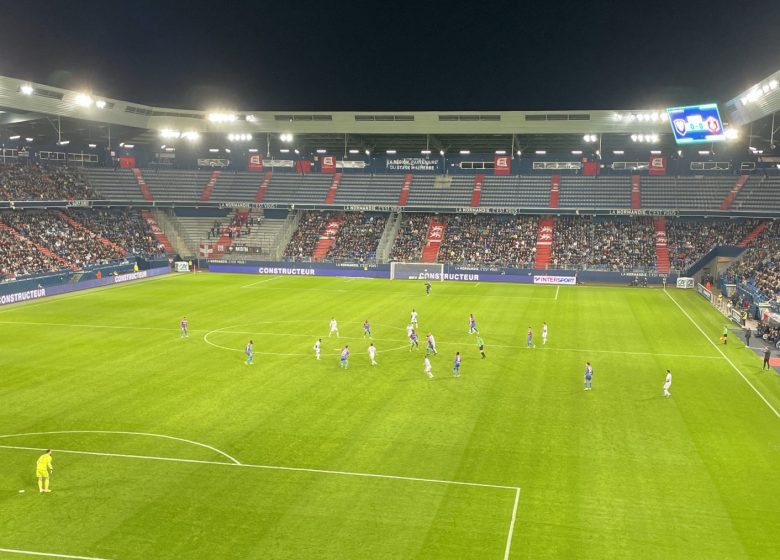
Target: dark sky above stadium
(323,55)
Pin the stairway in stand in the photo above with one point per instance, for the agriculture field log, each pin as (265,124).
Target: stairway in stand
(476,194)
(752,235)
(81,227)
(139,178)
(661,248)
(327,238)
(741,180)
(433,241)
(158,233)
(206,194)
(544,241)
(555,190)
(263,187)
(334,187)
(405,189)
(636,197)
(43,250)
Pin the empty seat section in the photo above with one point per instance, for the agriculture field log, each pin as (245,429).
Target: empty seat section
(370,189)
(516,192)
(298,189)
(595,192)
(176,185)
(110,184)
(428,190)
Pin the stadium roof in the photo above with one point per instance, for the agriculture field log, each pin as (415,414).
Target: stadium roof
(46,112)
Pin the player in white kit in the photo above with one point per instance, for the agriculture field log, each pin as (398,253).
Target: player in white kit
(427,365)
(317,347)
(372,354)
(334,327)
(413,319)
(667,384)
(544,334)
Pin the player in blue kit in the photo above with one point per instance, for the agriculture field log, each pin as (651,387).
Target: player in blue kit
(588,376)
(344,359)
(472,324)
(250,353)
(413,341)
(427,288)
(529,338)
(456,365)
(431,345)
(183,325)
(366,329)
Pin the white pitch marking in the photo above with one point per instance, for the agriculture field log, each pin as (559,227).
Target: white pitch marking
(261,281)
(742,375)
(49,554)
(191,442)
(271,467)
(558,289)
(512,525)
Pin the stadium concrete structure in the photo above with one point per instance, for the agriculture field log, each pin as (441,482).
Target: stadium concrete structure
(199,174)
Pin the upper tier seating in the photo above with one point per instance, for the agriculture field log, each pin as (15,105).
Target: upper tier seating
(594,192)
(369,189)
(236,187)
(176,185)
(759,193)
(685,193)
(113,184)
(516,192)
(425,191)
(298,189)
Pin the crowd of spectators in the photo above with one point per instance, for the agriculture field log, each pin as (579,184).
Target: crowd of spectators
(19,181)
(411,237)
(583,242)
(759,266)
(309,230)
(48,229)
(126,228)
(690,240)
(358,237)
(507,241)
(19,257)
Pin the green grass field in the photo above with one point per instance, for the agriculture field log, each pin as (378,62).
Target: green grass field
(618,472)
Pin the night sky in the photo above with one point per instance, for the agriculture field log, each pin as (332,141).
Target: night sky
(308,55)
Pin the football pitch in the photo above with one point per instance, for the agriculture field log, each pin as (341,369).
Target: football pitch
(172,448)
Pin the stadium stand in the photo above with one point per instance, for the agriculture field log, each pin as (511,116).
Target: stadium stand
(595,192)
(689,240)
(125,228)
(310,228)
(508,241)
(369,189)
(358,237)
(298,189)
(759,193)
(616,245)
(431,191)
(516,191)
(19,257)
(113,184)
(177,185)
(236,187)
(685,193)
(32,182)
(411,238)
(758,268)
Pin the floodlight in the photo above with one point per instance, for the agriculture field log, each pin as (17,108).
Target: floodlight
(391,152)
(519,152)
(296,151)
(655,152)
(95,146)
(576,152)
(354,151)
(540,152)
(465,152)
(441,152)
(252,150)
(321,151)
(168,133)
(251,118)
(500,152)
(63,142)
(129,146)
(286,137)
(634,138)
(27,89)
(222,117)
(425,152)
(618,152)
(192,135)
(732,134)
(285,150)
(704,152)
(29,139)
(83,99)
(227,150)
(100,104)
(213,150)
(368,152)
(14,137)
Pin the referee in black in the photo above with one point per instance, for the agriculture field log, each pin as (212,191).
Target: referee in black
(767,355)
(747,337)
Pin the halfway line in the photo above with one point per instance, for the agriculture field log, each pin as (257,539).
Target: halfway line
(49,554)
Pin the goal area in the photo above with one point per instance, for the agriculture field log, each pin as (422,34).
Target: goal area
(416,271)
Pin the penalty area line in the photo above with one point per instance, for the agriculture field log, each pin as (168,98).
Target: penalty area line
(742,375)
(48,554)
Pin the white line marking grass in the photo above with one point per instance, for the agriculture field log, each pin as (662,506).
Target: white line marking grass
(48,554)
(236,464)
(113,432)
(742,375)
(557,290)
(261,282)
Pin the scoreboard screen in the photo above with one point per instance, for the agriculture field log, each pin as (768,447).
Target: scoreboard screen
(696,124)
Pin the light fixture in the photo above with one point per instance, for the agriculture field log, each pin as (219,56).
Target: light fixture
(500,152)
(655,152)
(222,117)
(15,137)
(100,104)
(27,89)
(540,152)
(368,152)
(618,152)
(732,133)
(576,152)
(239,137)
(441,152)
(465,152)
(29,139)
(391,152)
(252,150)
(704,152)
(590,138)
(227,150)
(354,151)
(251,118)
(285,150)
(83,99)
(286,137)
(321,151)
(213,150)
(519,152)
(95,146)
(170,149)
(191,135)
(425,152)
(296,151)
(129,146)
(168,133)
(63,142)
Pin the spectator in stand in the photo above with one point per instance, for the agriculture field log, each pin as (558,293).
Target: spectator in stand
(358,237)
(690,240)
(411,238)
(21,181)
(303,241)
(490,240)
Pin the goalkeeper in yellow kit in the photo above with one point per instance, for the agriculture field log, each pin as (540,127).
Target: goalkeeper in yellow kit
(42,469)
